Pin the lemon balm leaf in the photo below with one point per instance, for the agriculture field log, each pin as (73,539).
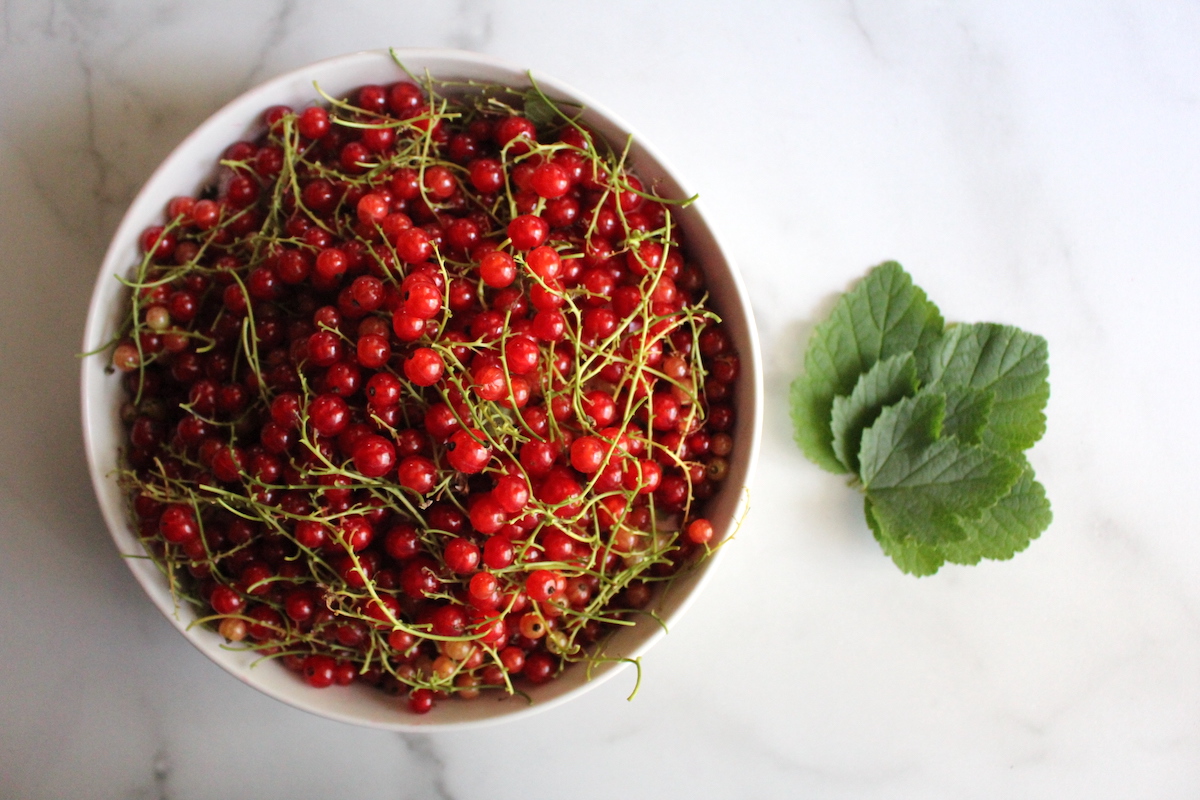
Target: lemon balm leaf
(882,385)
(1004,360)
(920,486)
(882,316)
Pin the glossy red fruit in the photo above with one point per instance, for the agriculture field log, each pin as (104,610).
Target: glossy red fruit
(461,555)
(313,122)
(424,367)
(511,493)
(374,456)
(497,269)
(178,524)
(510,132)
(487,515)
(328,414)
(449,620)
(318,671)
(588,454)
(699,531)
(542,584)
(528,231)
(550,180)
(540,667)
(498,553)
(467,452)
(421,701)
(509,333)
(417,473)
(226,600)
(487,175)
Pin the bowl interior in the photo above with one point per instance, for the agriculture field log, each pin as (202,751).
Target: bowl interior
(188,168)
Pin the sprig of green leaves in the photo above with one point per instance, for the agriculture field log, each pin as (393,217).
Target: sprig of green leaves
(930,420)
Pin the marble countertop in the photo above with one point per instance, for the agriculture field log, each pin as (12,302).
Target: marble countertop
(1029,163)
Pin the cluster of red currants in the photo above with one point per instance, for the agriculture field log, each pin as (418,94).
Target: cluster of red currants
(421,395)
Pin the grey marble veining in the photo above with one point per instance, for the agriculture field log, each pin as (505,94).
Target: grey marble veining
(1031,164)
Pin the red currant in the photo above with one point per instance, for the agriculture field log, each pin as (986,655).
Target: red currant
(467,452)
(374,456)
(424,367)
(528,231)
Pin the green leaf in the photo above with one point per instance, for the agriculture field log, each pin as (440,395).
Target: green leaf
(539,111)
(930,420)
(1006,528)
(911,423)
(882,385)
(967,413)
(811,409)
(909,556)
(884,315)
(1000,358)
(1001,532)
(921,486)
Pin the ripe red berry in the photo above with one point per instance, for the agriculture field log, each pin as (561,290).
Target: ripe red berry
(467,452)
(449,620)
(544,262)
(490,382)
(521,355)
(540,667)
(497,269)
(421,701)
(424,367)
(328,414)
(699,531)
(440,421)
(549,326)
(487,515)
(158,242)
(422,298)
(461,555)
(588,453)
(528,231)
(324,348)
(542,584)
(226,600)
(373,351)
(313,122)
(550,181)
(178,524)
(498,553)
(413,246)
(505,333)
(417,473)
(404,98)
(383,390)
(440,182)
(511,493)
(511,130)
(487,175)
(374,456)
(330,263)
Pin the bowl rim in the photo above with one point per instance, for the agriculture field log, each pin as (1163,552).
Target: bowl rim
(98,323)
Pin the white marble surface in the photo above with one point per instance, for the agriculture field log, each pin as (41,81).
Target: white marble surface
(1030,163)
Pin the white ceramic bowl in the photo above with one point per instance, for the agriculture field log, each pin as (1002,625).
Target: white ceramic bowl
(189,167)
